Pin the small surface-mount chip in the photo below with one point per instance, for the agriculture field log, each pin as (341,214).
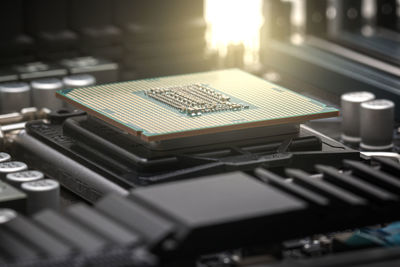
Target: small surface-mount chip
(195,104)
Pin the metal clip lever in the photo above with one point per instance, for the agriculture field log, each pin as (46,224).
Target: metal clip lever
(26,114)
(392,155)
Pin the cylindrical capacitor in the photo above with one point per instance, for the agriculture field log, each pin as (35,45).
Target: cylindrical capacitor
(350,109)
(11,166)
(79,80)
(17,178)
(44,93)
(14,96)
(42,194)
(377,122)
(4,157)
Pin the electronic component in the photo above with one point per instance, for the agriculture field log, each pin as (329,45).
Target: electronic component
(11,166)
(43,93)
(4,157)
(42,194)
(151,226)
(14,96)
(76,81)
(340,75)
(79,80)
(182,217)
(206,169)
(253,103)
(17,178)
(37,70)
(350,109)
(100,145)
(25,114)
(377,119)
(210,207)
(104,71)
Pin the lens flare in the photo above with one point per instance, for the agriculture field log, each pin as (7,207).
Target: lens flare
(235,22)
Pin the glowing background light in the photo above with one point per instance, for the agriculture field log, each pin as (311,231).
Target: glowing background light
(235,22)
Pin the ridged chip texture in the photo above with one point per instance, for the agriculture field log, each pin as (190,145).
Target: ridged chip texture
(170,107)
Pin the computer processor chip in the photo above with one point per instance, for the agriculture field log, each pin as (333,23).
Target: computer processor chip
(195,104)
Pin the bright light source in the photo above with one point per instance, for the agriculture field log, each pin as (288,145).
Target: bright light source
(235,22)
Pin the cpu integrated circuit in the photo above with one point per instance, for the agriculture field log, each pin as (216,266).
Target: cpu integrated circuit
(195,104)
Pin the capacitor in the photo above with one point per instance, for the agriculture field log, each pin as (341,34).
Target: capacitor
(14,96)
(76,81)
(79,80)
(4,157)
(377,122)
(104,70)
(11,166)
(44,93)
(42,194)
(350,109)
(17,178)
(38,70)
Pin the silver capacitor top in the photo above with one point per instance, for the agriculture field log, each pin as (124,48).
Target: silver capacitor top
(14,96)
(4,157)
(79,80)
(44,93)
(11,166)
(350,110)
(377,122)
(42,194)
(17,178)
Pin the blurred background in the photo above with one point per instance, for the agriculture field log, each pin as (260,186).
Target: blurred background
(319,47)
